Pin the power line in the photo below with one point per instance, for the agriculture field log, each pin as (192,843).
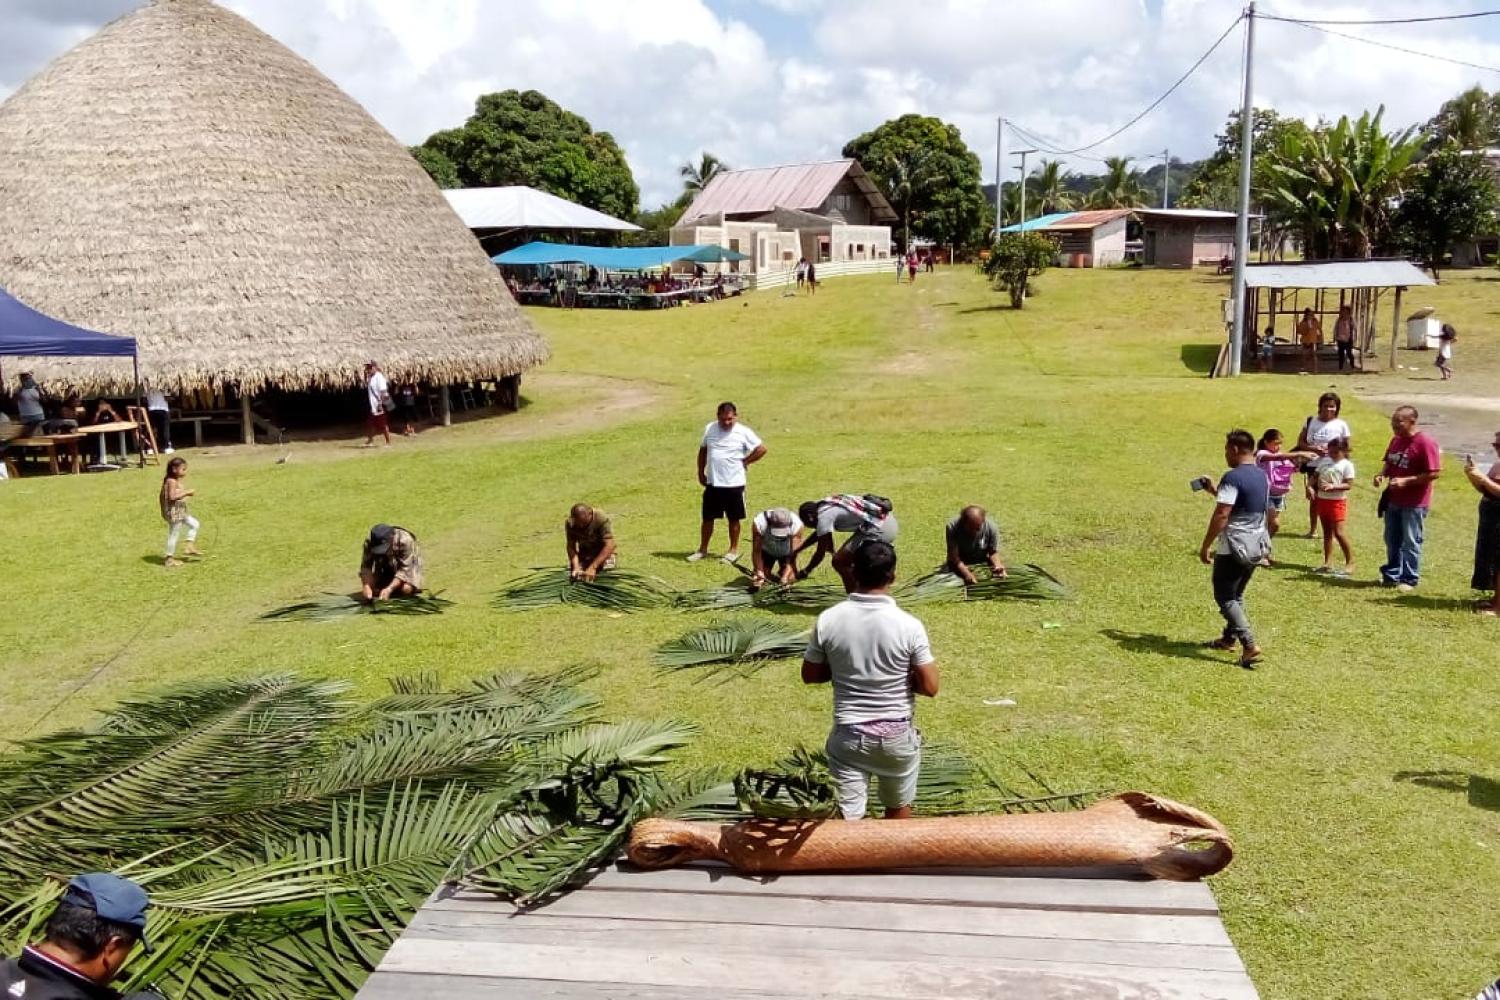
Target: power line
(1154,104)
(1384,20)
(1384,45)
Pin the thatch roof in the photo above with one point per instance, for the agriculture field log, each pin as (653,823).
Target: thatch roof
(184,179)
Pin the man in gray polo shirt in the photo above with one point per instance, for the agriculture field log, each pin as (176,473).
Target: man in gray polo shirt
(879,659)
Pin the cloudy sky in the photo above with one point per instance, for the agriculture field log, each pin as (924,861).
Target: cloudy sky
(760,82)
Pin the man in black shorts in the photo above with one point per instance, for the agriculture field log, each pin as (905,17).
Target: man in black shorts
(727,448)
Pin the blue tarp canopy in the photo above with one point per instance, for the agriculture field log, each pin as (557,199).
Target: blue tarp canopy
(615,258)
(1040,222)
(26,332)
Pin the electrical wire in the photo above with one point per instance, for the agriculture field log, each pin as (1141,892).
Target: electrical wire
(1313,26)
(1149,108)
(1383,20)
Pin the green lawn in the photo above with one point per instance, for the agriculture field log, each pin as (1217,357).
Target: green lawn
(1078,422)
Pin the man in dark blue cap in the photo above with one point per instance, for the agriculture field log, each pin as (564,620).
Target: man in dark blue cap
(96,925)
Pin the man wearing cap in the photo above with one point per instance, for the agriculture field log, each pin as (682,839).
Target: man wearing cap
(590,542)
(88,938)
(391,566)
(774,534)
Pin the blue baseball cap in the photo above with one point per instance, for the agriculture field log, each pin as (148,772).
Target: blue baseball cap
(114,898)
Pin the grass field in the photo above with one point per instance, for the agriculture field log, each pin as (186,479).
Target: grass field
(1359,768)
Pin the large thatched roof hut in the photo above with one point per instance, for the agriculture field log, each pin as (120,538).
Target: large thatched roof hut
(184,179)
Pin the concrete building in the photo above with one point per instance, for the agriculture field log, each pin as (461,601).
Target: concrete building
(1085,239)
(831,213)
(1183,237)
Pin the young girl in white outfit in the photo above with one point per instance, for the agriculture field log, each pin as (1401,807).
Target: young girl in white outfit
(174,511)
(1445,350)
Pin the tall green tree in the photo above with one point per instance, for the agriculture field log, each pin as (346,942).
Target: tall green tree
(522,137)
(1120,187)
(1015,259)
(695,176)
(1049,186)
(1338,185)
(1471,120)
(1216,182)
(930,177)
(1452,199)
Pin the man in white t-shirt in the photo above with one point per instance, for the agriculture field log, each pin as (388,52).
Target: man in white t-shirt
(728,447)
(378,393)
(879,659)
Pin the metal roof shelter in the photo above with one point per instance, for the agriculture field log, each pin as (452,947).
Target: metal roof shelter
(521,207)
(804,186)
(616,258)
(1288,289)
(1068,220)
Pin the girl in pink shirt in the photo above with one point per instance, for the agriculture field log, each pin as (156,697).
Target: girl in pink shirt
(1280,467)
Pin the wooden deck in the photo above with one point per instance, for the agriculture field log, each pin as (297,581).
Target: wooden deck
(705,932)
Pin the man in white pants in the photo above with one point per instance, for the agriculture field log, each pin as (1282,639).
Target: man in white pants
(879,659)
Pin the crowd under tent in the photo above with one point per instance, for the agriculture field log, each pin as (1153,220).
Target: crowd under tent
(499,215)
(183,179)
(1276,295)
(615,258)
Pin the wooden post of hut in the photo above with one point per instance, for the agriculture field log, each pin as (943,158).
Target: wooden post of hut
(445,407)
(247,421)
(1395,325)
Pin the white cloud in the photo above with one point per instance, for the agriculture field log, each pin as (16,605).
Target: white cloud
(787,80)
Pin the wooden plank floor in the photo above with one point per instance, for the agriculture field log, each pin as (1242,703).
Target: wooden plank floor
(706,932)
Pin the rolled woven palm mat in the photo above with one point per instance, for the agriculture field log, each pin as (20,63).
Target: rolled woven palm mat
(1162,838)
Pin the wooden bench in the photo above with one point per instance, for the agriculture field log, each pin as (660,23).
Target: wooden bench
(49,444)
(697,932)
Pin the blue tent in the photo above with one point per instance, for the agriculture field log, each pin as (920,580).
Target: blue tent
(26,332)
(615,258)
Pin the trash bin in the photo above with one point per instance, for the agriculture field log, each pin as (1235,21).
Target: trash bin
(1422,329)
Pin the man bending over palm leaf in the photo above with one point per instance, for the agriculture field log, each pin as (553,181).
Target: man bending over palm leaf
(866,517)
(973,540)
(590,542)
(879,659)
(391,566)
(774,537)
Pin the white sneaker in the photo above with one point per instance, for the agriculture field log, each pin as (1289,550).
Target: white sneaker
(731,557)
(1404,588)
(168,451)
(696,556)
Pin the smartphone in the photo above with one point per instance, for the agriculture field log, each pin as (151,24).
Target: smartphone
(1198,484)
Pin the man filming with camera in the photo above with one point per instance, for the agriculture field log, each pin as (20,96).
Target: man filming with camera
(97,924)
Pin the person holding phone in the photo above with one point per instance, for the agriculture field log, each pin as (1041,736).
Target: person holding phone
(1236,540)
(1487,538)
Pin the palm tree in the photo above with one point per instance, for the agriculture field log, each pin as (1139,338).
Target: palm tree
(906,176)
(1049,186)
(1468,119)
(695,177)
(1120,187)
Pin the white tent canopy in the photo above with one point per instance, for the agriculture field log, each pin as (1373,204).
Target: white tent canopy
(523,207)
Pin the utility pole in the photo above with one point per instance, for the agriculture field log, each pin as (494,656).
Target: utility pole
(1023,153)
(1242,221)
(999,148)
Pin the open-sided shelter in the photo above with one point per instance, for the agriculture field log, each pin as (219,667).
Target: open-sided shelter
(184,179)
(1277,294)
(501,217)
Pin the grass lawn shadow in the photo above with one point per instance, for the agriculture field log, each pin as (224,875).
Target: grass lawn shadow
(1481,792)
(997,307)
(1434,603)
(1199,358)
(1149,642)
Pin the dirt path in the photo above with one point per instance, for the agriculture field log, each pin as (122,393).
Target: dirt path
(1463,423)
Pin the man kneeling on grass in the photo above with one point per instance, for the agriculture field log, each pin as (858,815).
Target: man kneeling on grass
(391,566)
(879,659)
(973,540)
(591,542)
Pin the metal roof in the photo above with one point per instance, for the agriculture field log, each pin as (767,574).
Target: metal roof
(1336,274)
(1069,220)
(803,186)
(522,207)
(1208,214)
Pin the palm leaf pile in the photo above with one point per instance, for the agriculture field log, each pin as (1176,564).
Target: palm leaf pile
(614,590)
(949,783)
(1024,583)
(329,606)
(286,834)
(742,647)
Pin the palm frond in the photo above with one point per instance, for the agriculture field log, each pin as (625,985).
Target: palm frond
(1027,582)
(747,645)
(330,607)
(612,590)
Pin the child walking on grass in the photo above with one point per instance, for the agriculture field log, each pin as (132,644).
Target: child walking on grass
(1445,350)
(1335,479)
(174,511)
